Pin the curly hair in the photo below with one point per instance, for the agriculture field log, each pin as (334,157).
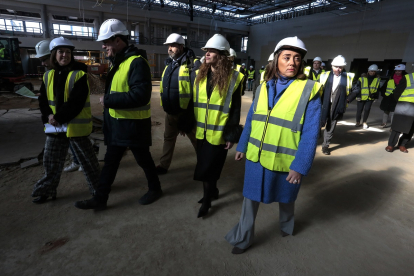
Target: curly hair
(221,74)
(273,69)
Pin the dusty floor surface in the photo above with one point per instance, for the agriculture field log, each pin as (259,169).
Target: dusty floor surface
(354,216)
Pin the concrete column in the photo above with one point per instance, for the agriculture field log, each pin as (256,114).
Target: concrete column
(45,21)
(147,30)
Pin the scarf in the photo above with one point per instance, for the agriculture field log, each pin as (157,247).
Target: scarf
(276,87)
(397,78)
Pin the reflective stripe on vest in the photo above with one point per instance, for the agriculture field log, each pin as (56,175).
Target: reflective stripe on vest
(120,85)
(276,133)
(306,71)
(349,78)
(81,125)
(262,76)
(250,74)
(238,67)
(390,87)
(184,86)
(408,94)
(366,89)
(212,114)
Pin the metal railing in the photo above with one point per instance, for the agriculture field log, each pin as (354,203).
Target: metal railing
(20,31)
(197,44)
(139,40)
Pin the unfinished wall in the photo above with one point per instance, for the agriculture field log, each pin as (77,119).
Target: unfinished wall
(385,32)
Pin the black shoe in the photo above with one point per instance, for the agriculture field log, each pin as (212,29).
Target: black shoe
(204,210)
(325,150)
(161,170)
(42,199)
(237,250)
(284,234)
(150,197)
(213,195)
(90,204)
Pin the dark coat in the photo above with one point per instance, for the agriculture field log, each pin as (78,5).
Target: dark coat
(337,108)
(404,111)
(65,111)
(356,89)
(128,132)
(388,103)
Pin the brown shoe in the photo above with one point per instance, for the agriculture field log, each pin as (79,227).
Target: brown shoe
(389,148)
(403,149)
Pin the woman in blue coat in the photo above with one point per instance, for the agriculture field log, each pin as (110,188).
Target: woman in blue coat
(279,141)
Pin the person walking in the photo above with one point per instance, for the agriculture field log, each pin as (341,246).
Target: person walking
(250,78)
(279,141)
(176,98)
(403,121)
(337,85)
(315,72)
(238,67)
(64,100)
(388,102)
(127,114)
(366,91)
(217,105)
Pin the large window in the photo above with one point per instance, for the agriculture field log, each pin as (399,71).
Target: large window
(244,44)
(59,29)
(11,25)
(34,27)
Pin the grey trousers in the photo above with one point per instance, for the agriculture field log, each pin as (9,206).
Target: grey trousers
(385,117)
(329,131)
(242,234)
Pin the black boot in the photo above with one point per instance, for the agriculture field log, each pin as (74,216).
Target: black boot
(90,204)
(150,197)
(206,202)
(213,195)
(42,199)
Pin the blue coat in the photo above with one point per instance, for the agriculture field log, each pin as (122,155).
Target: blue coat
(267,186)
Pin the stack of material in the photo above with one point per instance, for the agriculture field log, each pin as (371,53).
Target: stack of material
(96,84)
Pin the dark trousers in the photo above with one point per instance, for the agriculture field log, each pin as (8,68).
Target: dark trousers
(366,106)
(405,138)
(113,157)
(329,131)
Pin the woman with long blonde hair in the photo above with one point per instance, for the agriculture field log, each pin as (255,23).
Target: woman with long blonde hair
(217,103)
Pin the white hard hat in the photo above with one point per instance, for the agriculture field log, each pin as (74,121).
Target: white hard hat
(233,53)
(271,57)
(42,48)
(110,28)
(338,61)
(251,66)
(175,38)
(293,43)
(61,42)
(243,64)
(400,67)
(317,59)
(373,67)
(323,64)
(217,42)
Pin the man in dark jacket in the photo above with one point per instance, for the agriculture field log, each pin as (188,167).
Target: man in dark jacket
(176,98)
(127,117)
(336,87)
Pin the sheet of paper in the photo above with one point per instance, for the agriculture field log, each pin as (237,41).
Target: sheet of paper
(55,129)
(25,92)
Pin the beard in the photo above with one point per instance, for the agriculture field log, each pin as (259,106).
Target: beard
(174,55)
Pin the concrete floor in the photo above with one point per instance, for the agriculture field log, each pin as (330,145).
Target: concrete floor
(354,216)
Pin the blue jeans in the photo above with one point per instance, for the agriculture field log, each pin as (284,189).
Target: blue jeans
(250,84)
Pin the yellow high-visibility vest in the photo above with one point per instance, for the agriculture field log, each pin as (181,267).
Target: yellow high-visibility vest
(390,87)
(238,67)
(250,74)
(262,76)
(212,114)
(275,134)
(365,88)
(307,71)
(408,94)
(120,85)
(184,85)
(81,125)
(349,79)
